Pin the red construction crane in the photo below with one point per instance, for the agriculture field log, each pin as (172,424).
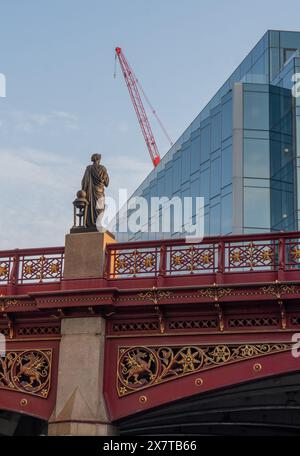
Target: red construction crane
(133,86)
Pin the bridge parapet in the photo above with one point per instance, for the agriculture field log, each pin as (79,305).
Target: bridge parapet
(220,258)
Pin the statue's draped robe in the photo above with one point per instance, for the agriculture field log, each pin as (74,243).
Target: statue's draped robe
(94,180)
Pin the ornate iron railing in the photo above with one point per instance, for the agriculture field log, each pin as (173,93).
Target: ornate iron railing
(228,254)
(31,266)
(166,258)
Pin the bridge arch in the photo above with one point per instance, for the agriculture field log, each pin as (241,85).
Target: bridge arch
(268,406)
(18,424)
(182,370)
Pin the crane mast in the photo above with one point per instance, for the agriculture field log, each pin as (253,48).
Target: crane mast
(132,85)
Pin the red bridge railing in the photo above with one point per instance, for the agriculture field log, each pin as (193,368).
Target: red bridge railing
(31,266)
(164,258)
(228,254)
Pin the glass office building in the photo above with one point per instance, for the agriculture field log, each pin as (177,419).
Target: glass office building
(242,152)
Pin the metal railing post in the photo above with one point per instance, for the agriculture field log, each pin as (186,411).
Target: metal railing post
(162,261)
(14,274)
(220,261)
(281,258)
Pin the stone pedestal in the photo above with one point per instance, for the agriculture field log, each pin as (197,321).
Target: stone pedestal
(85,253)
(80,406)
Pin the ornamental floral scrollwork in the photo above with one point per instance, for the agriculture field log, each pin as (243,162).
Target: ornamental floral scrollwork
(155,295)
(142,367)
(26,371)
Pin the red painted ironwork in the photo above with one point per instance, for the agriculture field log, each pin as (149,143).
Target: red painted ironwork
(224,298)
(37,399)
(35,266)
(218,257)
(204,363)
(243,253)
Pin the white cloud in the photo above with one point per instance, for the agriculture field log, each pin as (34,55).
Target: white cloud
(30,122)
(38,188)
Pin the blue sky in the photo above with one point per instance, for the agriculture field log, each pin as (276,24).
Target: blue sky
(63,104)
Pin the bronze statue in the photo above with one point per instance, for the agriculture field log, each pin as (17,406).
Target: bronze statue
(94,180)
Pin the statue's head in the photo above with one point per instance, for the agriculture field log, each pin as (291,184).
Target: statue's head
(96,158)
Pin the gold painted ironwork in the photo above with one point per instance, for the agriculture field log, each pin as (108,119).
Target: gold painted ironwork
(214,292)
(177,259)
(155,295)
(278,289)
(192,259)
(295,252)
(135,262)
(6,303)
(251,255)
(27,371)
(3,270)
(40,269)
(148,262)
(141,367)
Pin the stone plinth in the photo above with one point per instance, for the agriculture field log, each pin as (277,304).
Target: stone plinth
(85,253)
(80,406)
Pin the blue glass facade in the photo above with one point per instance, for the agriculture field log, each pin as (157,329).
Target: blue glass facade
(242,152)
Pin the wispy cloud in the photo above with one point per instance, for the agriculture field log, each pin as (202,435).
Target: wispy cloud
(38,187)
(31,122)
(38,190)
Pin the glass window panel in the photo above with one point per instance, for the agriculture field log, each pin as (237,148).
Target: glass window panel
(204,185)
(290,40)
(274,38)
(161,183)
(227,119)
(255,87)
(205,143)
(195,188)
(226,166)
(169,181)
(281,119)
(206,224)
(251,182)
(216,132)
(226,214)
(257,207)
(256,158)
(176,174)
(215,177)
(195,154)
(215,220)
(153,188)
(245,66)
(259,67)
(186,164)
(288,53)
(256,110)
